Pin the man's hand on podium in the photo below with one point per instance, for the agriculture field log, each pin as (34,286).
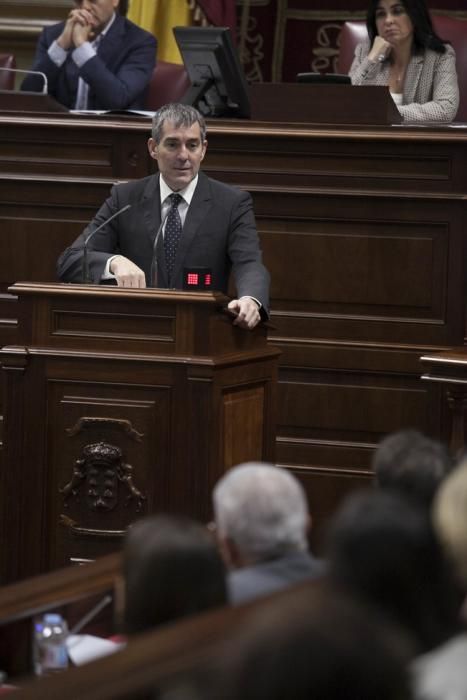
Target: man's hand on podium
(127,273)
(247,312)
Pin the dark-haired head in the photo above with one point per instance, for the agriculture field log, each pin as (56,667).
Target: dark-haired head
(171,569)
(424,36)
(383,549)
(313,643)
(412,464)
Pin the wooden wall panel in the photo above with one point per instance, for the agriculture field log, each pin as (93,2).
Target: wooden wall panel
(241,409)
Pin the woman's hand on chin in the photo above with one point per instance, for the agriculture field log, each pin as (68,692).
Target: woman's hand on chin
(380,49)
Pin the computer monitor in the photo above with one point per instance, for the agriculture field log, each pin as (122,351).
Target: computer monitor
(219,88)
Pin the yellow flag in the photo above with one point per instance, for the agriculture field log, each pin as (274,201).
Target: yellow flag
(159,17)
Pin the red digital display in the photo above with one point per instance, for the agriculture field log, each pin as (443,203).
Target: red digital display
(192,278)
(197,278)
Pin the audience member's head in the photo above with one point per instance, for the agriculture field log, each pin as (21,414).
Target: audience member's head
(313,644)
(171,569)
(384,550)
(261,513)
(411,464)
(450,520)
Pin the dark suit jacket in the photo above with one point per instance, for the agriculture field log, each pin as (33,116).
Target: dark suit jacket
(117,76)
(219,233)
(273,575)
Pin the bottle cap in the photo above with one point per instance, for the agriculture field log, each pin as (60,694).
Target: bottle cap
(53,619)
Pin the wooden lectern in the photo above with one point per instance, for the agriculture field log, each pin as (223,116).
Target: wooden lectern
(120,403)
(323,104)
(20,102)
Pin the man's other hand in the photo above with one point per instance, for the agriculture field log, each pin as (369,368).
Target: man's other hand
(247,312)
(127,273)
(76,18)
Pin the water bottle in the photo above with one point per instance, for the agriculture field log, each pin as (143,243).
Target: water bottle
(50,652)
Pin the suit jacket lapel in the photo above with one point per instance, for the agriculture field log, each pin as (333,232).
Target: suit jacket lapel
(151,212)
(412,78)
(111,42)
(197,211)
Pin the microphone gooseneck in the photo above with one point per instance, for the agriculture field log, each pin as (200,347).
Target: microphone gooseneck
(85,269)
(45,88)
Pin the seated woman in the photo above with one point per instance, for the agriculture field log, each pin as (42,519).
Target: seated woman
(382,548)
(404,53)
(171,569)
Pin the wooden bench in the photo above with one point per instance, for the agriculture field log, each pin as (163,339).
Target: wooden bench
(150,661)
(72,591)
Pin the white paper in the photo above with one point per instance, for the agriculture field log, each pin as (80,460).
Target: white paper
(83,648)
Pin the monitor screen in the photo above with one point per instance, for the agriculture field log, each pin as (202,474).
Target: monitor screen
(219,88)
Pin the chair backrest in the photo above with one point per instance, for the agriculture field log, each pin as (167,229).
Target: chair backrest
(450,29)
(351,34)
(169,83)
(7,79)
(455,31)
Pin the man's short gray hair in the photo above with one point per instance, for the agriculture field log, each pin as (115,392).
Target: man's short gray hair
(262,509)
(180,116)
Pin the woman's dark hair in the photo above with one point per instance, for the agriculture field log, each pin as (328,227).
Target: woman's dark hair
(412,465)
(383,549)
(424,36)
(171,569)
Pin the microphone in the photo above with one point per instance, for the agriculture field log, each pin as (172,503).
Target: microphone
(91,614)
(154,265)
(45,89)
(85,269)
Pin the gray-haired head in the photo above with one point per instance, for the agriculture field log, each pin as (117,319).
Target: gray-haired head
(262,509)
(180,116)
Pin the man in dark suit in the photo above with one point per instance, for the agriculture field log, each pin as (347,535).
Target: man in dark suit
(262,520)
(210,226)
(96,59)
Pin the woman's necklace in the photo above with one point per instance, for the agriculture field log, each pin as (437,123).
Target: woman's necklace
(397,78)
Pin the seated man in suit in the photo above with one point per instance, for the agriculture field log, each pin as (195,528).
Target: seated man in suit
(96,59)
(179,219)
(262,519)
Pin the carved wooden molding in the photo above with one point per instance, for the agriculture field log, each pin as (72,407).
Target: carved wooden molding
(87,422)
(75,529)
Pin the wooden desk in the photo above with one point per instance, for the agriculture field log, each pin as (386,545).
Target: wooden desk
(74,591)
(362,230)
(448,369)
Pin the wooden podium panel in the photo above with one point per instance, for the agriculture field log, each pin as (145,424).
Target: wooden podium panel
(121,403)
